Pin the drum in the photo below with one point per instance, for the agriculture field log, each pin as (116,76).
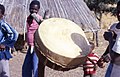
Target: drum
(61,44)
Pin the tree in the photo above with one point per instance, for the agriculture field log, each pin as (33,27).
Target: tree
(101,6)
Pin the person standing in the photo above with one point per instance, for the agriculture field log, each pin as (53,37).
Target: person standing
(90,65)
(30,65)
(8,37)
(113,49)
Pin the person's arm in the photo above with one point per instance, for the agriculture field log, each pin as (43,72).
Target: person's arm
(46,14)
(106,51)
(38,20)
(105,57)
(9,38)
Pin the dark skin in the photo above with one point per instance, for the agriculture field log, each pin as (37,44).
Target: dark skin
(118,17)
(32,9)
(110,38)
(118,12)
(41,67)
(35,9)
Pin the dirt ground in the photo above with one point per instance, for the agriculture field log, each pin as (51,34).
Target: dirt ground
(17,61)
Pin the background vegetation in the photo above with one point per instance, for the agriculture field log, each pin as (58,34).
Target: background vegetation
(103,10)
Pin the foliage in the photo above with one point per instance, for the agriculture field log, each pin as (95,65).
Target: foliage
(101,6)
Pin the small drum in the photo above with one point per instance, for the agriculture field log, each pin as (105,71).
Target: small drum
(61,44)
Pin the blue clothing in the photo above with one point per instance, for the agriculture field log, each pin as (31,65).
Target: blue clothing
(7,38)
(30,65)
(5,54)
(109,70)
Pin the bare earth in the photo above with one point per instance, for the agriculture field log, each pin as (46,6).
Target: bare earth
(17,61)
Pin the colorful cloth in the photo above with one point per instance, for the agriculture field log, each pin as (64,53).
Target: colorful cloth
(31,28)
(89,67)
(8,34)
(7,39)
(30,65)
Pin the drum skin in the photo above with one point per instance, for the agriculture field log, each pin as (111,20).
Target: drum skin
(61,44)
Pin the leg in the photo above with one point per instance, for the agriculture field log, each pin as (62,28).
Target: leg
(35,65)
(109,70)
(41,69)
(1,68)
(5,68)
(27,65)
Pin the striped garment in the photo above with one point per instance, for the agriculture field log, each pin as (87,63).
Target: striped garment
(89,67)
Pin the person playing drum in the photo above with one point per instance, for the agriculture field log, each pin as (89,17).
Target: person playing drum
(31,60)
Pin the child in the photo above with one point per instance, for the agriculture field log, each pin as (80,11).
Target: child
(89,67)
(30,65)
(8,37)
(113,48)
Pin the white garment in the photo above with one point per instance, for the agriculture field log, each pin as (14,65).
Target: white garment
(116,47)
(32,49)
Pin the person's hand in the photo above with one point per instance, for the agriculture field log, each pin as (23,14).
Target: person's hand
(2,47)
(46,14)
(101,63)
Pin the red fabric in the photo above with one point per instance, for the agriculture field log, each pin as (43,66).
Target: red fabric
(88,67)
(31,28)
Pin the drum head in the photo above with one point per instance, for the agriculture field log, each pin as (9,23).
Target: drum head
(62,42)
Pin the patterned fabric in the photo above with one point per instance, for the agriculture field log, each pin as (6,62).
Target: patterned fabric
(32,26)
(7,41)
(89,67)
(10,35)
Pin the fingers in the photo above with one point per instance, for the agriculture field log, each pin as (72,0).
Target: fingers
(2,46)
(101,63)
(2,49)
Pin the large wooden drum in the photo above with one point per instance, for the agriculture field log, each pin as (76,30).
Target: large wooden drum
(61,44)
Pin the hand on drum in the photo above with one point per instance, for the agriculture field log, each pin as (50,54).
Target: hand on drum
(101,63)
(103,59)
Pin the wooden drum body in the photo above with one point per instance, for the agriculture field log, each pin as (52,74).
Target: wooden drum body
(61,42)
